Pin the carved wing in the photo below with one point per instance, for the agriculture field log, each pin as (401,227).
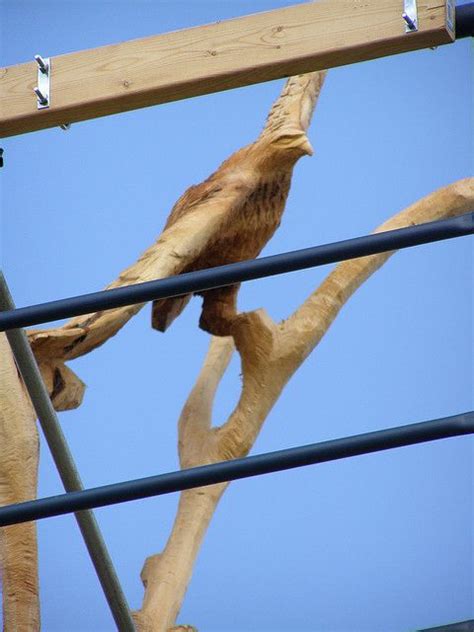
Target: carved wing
(210,201)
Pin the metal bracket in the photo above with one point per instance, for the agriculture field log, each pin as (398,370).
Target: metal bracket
(410,15)
(42,90)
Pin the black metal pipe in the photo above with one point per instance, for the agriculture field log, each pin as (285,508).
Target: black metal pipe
(239,468)
(238,272)
(465,20)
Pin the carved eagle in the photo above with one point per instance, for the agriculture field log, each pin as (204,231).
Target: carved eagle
(259,176)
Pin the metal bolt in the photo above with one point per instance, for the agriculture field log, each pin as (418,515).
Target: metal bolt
(43,66)
(41,98)
(65,126)
(1,157)
(411,24)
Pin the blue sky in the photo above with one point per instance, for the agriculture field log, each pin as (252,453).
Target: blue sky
(379,542)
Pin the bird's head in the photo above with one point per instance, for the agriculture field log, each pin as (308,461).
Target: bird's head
(281,148)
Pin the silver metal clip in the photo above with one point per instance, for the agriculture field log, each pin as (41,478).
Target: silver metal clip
(42,90)
(410,15)
(43,64)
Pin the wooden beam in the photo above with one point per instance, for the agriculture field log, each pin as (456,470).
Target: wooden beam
(205,59)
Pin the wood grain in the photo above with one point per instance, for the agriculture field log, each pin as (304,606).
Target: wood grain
(229,54)
(19,452)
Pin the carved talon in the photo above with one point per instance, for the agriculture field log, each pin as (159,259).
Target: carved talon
(219,311)
(216,326)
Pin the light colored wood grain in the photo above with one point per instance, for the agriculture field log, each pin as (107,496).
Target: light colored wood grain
(19,450)
(229,54)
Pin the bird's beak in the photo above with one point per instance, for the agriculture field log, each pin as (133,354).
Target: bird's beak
(307,147)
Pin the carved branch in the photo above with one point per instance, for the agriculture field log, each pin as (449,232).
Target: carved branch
(166,576)
(194,428)
(304,329)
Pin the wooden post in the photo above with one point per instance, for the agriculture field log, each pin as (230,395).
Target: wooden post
(19,450)
(229,54)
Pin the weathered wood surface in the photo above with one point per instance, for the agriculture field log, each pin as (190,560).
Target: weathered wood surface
(18,476)
(228,54)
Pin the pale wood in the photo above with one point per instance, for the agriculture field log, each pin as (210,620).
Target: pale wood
(64,387)
(18,476)
(270,355)
(205,59)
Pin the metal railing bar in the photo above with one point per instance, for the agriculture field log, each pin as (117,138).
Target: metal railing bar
(465,20)
(64,461)
(221,472)
(239,272)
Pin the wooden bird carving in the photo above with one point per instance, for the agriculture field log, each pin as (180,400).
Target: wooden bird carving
(254,184)
(244,199)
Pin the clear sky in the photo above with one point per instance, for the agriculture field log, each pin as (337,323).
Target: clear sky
(376,543)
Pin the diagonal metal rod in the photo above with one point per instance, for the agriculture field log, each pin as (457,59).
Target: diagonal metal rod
(240,468)
(63,459)
(238,272)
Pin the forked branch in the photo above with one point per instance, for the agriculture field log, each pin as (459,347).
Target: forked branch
(270,354)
